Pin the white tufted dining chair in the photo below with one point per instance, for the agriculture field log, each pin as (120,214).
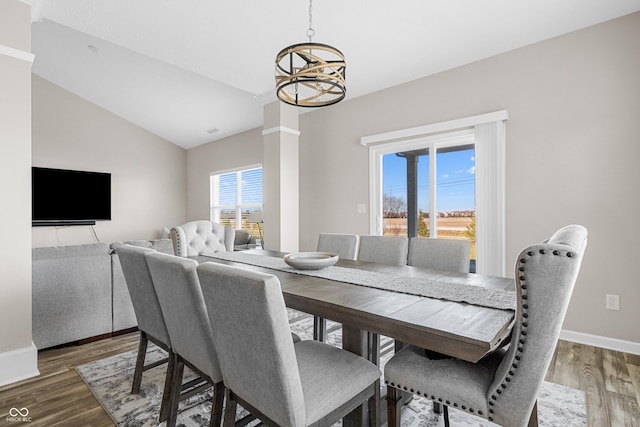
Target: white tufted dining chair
(202,237)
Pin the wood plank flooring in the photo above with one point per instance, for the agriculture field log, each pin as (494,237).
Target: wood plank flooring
(59,398)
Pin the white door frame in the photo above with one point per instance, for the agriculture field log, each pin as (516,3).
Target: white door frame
(488,133)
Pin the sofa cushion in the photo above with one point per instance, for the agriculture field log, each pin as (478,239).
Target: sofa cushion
(55,252)
(160,245)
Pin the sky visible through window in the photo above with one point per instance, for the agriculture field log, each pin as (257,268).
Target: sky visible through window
(251,181)
(455,176)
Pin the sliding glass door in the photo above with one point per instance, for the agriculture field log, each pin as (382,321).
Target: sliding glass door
(429,191)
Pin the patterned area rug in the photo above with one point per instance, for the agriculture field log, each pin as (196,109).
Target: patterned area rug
(110,381)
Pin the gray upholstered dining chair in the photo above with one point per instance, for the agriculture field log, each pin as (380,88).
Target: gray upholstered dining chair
(346,246)
(504,385)
(151,323)
(440,254)
(390,250)
(202,237)
(283,384)
(178,288)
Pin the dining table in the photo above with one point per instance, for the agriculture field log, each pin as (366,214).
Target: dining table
(453,325)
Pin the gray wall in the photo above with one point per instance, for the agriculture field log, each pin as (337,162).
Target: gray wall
(243,149)
(148,173)
(572,144)
(571,152)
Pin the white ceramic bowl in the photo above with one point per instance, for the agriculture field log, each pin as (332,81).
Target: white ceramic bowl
(311,260)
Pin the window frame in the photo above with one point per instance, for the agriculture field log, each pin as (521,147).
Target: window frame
(488,133)
(214,195)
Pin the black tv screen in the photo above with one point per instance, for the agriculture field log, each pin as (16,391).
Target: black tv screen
(62,196)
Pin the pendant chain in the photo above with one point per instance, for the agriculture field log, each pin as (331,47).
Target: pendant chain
(310,32)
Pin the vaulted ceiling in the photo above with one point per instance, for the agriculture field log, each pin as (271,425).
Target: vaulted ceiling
(195,71)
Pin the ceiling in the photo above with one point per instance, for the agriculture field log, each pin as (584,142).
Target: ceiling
(195,71)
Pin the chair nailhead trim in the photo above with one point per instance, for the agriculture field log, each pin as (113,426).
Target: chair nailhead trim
(520,349)
(523,324)
(434,398)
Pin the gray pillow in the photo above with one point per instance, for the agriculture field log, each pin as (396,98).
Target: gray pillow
(242,237)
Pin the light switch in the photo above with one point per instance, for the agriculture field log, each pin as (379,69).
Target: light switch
(362,208)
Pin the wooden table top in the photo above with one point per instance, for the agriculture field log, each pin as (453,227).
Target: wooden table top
(459,330)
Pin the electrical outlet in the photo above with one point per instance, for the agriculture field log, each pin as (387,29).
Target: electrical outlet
(612,302)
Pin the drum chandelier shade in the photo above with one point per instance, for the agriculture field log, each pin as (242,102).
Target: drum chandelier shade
(310,74)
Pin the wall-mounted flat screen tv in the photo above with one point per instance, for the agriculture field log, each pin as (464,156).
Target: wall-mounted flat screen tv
(69,197)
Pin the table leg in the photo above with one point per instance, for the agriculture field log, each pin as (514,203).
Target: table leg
(394,406)
(355,340)
(319,329)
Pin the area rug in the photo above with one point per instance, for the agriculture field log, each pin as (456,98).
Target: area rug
(110,381)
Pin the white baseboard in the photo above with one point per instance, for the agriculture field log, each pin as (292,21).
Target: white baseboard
(18,364)
(599,341)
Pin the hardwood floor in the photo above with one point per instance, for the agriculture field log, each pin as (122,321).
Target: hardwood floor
(59,397)
(610,379)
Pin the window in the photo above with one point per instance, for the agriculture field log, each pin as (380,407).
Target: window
(234,195)
(479,137)
(429,191)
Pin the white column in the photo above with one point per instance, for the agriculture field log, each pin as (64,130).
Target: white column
(280,178)
(18,354)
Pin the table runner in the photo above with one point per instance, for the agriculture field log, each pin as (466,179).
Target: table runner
(456,289)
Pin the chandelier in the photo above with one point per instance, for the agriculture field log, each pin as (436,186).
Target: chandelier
(310,74)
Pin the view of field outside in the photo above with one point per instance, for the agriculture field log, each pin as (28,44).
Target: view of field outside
(454,200)
(234,196)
